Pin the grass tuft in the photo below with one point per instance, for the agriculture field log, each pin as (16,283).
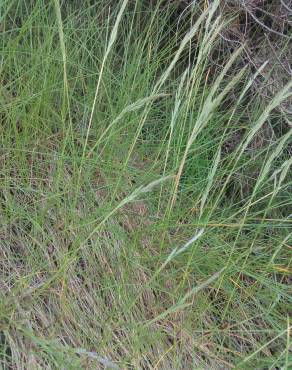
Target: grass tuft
(145,192)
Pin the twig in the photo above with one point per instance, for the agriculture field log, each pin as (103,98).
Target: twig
(277,57)
(262,24)
(286,6)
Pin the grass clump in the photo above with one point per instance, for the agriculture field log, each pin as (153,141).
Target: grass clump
(144,193)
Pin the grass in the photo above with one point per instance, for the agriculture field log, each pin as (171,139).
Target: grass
(145,214)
